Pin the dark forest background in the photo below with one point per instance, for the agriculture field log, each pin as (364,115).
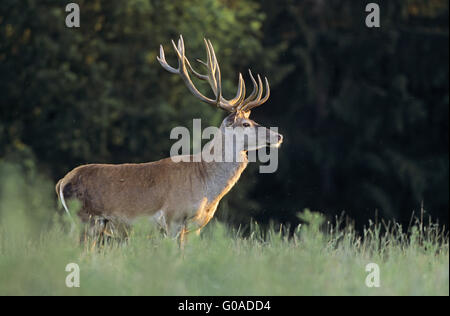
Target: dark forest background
(364,111)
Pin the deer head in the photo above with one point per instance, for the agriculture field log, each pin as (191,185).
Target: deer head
(248,135)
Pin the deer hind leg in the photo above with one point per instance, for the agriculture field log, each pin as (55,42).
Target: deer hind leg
(178,230)
(94,229)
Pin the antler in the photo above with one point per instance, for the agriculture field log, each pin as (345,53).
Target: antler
(238,104)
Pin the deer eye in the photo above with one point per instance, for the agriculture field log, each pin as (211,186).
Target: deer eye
(246,125)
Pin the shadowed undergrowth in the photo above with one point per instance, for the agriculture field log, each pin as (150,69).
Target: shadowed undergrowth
(318,259)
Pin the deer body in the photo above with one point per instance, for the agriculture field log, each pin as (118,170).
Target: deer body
(180,195)
(176,194)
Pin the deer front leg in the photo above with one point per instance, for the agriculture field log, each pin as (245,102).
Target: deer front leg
(177,230)
(182,237)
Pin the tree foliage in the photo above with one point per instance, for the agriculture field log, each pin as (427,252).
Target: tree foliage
(366,109)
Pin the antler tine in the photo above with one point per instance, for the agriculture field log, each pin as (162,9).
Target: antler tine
(210,76)
(239,98)
(215,70)
(162,60)
(258,94)
(181,45)
(252,95)
(258,101)
(240,95)
(198,75)
(260,89)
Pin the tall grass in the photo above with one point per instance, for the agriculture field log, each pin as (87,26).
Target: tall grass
(319,258)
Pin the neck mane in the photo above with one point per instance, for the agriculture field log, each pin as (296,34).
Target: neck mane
(221,176)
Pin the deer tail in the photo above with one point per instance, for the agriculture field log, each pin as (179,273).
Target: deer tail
(60,192)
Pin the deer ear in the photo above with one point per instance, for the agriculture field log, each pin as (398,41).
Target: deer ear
(230,119)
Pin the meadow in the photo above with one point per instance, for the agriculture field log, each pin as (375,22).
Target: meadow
(320,257)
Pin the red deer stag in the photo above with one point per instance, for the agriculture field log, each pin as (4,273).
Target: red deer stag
(181,196)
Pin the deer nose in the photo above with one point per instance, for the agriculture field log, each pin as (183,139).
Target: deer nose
(280,138)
